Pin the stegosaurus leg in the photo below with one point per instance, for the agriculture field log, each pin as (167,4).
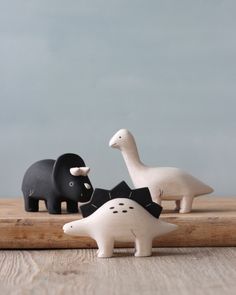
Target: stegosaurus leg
(143,246)
(105,247)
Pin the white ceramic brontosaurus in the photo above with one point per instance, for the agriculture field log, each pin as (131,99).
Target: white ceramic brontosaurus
(121,215)
(164,183)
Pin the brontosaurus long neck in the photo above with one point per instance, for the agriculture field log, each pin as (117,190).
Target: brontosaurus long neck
(131,158)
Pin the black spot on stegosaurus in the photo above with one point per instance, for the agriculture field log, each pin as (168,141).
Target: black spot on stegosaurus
(141,195)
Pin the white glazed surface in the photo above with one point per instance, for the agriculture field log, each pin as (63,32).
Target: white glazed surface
(122,220)
(164,183)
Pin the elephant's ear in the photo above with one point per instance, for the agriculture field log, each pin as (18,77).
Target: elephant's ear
(61,170)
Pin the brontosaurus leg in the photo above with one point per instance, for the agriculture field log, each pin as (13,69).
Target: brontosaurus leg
(186,204)
(105,247)
(157,200)
(156,195)
(177,205)
(143,246)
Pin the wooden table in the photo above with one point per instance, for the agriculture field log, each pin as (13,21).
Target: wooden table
(190,271)
(211,223)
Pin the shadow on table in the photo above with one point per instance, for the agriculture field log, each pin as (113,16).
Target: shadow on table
(156,253)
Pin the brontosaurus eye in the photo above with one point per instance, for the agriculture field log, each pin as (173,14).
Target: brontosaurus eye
(71,183)
(119,136)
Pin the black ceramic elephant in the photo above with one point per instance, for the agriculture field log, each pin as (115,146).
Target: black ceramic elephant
(56,181)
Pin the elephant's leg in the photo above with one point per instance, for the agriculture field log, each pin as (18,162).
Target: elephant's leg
(177,205)
(53,205)
(31,204)
(186,204)
(143,246)
(105,247)
(72,207)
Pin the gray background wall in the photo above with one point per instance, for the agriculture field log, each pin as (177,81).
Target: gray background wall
(74,72)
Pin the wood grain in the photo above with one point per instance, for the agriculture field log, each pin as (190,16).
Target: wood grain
(212,223)
(195,271)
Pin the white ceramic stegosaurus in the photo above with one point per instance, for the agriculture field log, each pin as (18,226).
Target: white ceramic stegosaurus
(120,215)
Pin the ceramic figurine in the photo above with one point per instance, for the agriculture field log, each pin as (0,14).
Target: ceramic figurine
(164,183)
(120,215)
(56,181)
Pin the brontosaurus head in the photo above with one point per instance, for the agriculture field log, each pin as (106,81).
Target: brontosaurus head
(122,139)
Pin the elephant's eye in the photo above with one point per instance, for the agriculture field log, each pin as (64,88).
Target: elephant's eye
(71,183)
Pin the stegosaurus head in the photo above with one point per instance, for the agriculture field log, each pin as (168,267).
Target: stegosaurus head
(141,195)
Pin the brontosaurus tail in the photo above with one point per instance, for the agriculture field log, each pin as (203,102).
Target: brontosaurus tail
(164,228)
